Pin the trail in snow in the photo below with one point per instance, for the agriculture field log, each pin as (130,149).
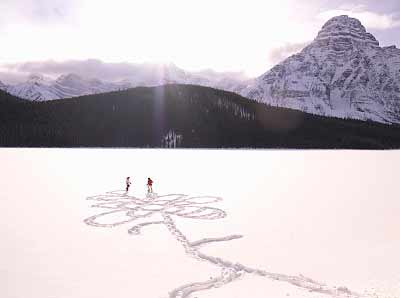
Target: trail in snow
(126,209)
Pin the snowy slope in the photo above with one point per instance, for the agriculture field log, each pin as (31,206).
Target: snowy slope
(228,81)
(72,85)
(3,86)
(342,73)
(36,88)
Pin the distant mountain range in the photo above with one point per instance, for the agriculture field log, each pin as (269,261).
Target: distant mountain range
(342,73)
(39,88)
(187,116)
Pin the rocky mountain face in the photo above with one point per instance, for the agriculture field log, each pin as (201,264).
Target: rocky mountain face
(35,88)
(38,88)
(342,73)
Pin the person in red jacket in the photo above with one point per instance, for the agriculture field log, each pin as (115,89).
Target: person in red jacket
(149,185)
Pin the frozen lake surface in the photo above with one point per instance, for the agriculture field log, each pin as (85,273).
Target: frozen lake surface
(331,216)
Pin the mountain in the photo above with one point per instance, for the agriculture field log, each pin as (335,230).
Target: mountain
(342,73)
(186,116)
(38,88)
(72,85)
(228,81)
(3,86)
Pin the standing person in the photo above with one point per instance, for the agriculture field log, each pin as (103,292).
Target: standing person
(149,185)
(128,183)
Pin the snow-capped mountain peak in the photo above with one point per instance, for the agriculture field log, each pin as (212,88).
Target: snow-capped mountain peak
(72,85)
(342,73)
(345,31)
(36,88)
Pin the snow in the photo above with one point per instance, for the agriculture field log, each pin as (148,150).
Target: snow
(342,73)
(3,86)
(38,88)
(307,217)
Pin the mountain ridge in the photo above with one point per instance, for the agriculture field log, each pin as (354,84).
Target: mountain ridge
(342,73)
(38,88)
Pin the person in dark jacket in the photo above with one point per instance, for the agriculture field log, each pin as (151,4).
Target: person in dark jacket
(128,183)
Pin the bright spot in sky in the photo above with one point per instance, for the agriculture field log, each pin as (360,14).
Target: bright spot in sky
(223,35)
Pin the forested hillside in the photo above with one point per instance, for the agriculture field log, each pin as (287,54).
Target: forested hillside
(186,116)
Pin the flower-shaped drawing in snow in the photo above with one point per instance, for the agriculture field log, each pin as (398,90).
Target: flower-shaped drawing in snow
(124,209)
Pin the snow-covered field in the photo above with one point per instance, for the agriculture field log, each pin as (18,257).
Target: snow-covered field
(332,216)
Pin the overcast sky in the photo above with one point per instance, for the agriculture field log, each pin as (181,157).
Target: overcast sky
(225,35)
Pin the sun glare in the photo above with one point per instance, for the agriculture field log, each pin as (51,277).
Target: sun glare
(223,35)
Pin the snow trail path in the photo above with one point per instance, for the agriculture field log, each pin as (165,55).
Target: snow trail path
(127,209)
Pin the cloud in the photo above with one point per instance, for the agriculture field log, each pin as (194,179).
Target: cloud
(93,68)
(280,53)
(368,18)
(37,11)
